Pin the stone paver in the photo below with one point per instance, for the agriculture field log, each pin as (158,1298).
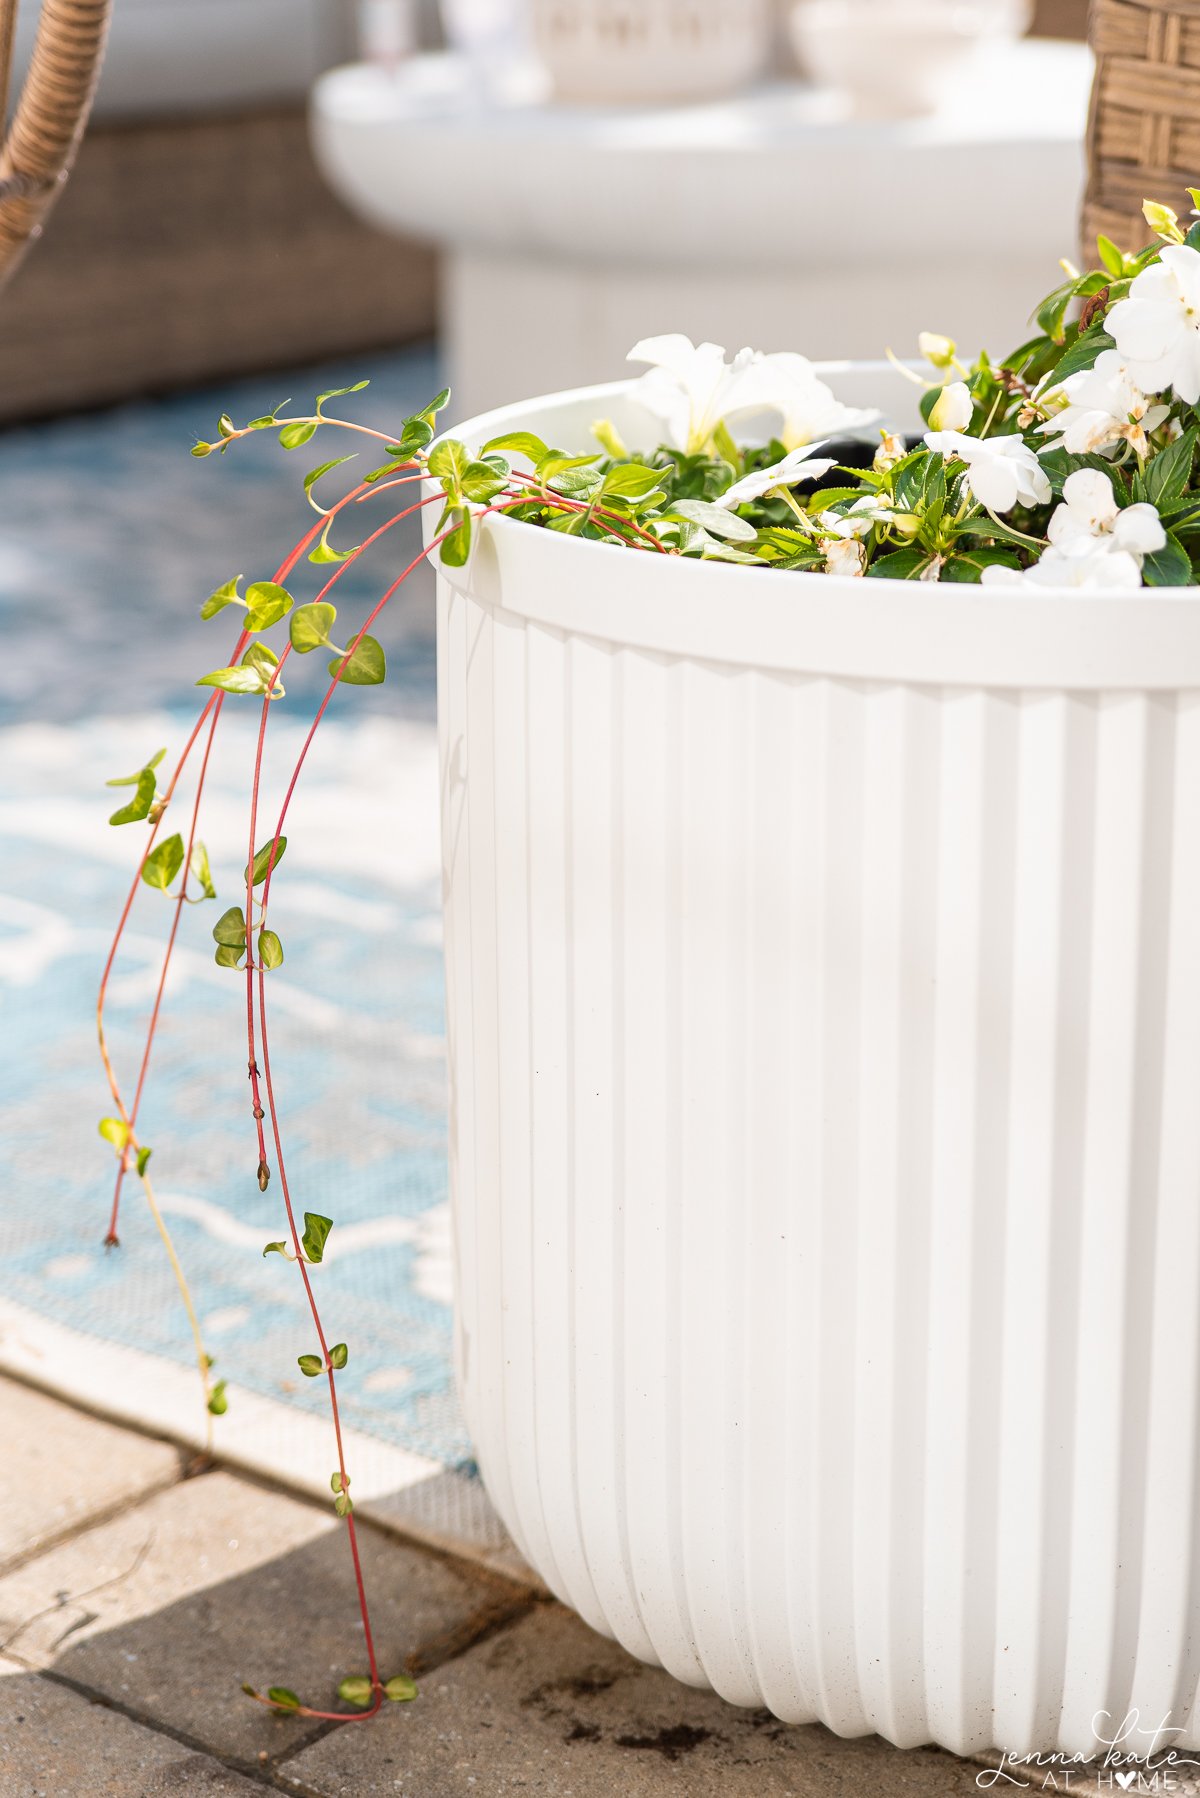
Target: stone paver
(61,1468)
(57,1744)
(547,1707)
(167,1608)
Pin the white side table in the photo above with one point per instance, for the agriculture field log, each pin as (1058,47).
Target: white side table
(772,219)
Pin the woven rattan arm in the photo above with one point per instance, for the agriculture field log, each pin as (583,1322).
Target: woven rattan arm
(49,117)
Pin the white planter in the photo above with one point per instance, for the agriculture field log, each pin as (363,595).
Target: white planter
(614,51)
(824,1012)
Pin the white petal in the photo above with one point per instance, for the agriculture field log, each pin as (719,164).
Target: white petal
(1090,494)
(1144,330)
(1140,530)
(995,483)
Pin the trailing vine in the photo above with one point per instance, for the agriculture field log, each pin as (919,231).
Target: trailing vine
(1062,465)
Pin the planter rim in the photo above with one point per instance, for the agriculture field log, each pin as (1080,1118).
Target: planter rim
(812,624)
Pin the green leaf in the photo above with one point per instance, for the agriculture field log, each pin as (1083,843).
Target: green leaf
(365,666)
(234,680)
(268,418)
(316,1235)
(632,480)
(267,603)
(283,1698)
(438,404)
(270,950)
(417,433)
(163,864)
(339,393)
(201,870)
(311,625)
(225,426)
(218,1404)
(139,806)
(323,551)
(554,462)
(263,860)
(339,1354)
(310,1365)
(1168,567)
(314,475)
(718,520)
(114,1131)
(343,1504)
(143,1160)
(276,1248)
(229,957)
(230,928)
(481,482)
(1082,354)
(221,597)
(400,1690)
(131,780)
(449,461)
(299,432)
(901,565)
(1051,314)
(968,566)
(1110,256)
(336,1482)
(203,449)
(357,1691)
(1165,479)
(457,546)
(519,443)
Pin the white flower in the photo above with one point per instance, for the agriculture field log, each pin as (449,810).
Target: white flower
(691,387)
(789,385)
(1089,517)
(1103,405)
(1080,566)
(796,467)
(1001,471)
(1157,329)
(858,519)
(953,408)
(891,450)
(845,556)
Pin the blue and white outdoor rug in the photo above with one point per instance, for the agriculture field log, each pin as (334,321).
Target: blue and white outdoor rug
(111,535)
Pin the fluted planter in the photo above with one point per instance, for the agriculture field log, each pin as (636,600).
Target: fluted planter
(824,1011)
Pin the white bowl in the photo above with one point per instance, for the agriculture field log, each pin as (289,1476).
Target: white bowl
(894,58)
(645,51)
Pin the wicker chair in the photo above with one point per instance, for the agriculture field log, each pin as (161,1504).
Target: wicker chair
(39,147)
(1144,136)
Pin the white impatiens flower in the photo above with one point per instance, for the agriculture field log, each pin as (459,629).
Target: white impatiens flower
(1104,405)
(1089,516)
(1093,542)
(789,386)
(857,520)
(953,408)
(1095,567)
(1157,329)
(799,466)
(692,388)
(1002,472)
(845,556)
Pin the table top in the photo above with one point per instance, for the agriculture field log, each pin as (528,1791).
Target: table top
(426,148)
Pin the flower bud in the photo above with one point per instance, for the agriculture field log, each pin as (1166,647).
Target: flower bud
(938,350)
(1162,220)
(890,451)
(953,408)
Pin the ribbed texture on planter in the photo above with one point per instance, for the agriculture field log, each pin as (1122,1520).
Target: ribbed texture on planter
(826,1155)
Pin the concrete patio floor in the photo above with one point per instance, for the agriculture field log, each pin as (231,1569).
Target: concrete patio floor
(136,1595)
